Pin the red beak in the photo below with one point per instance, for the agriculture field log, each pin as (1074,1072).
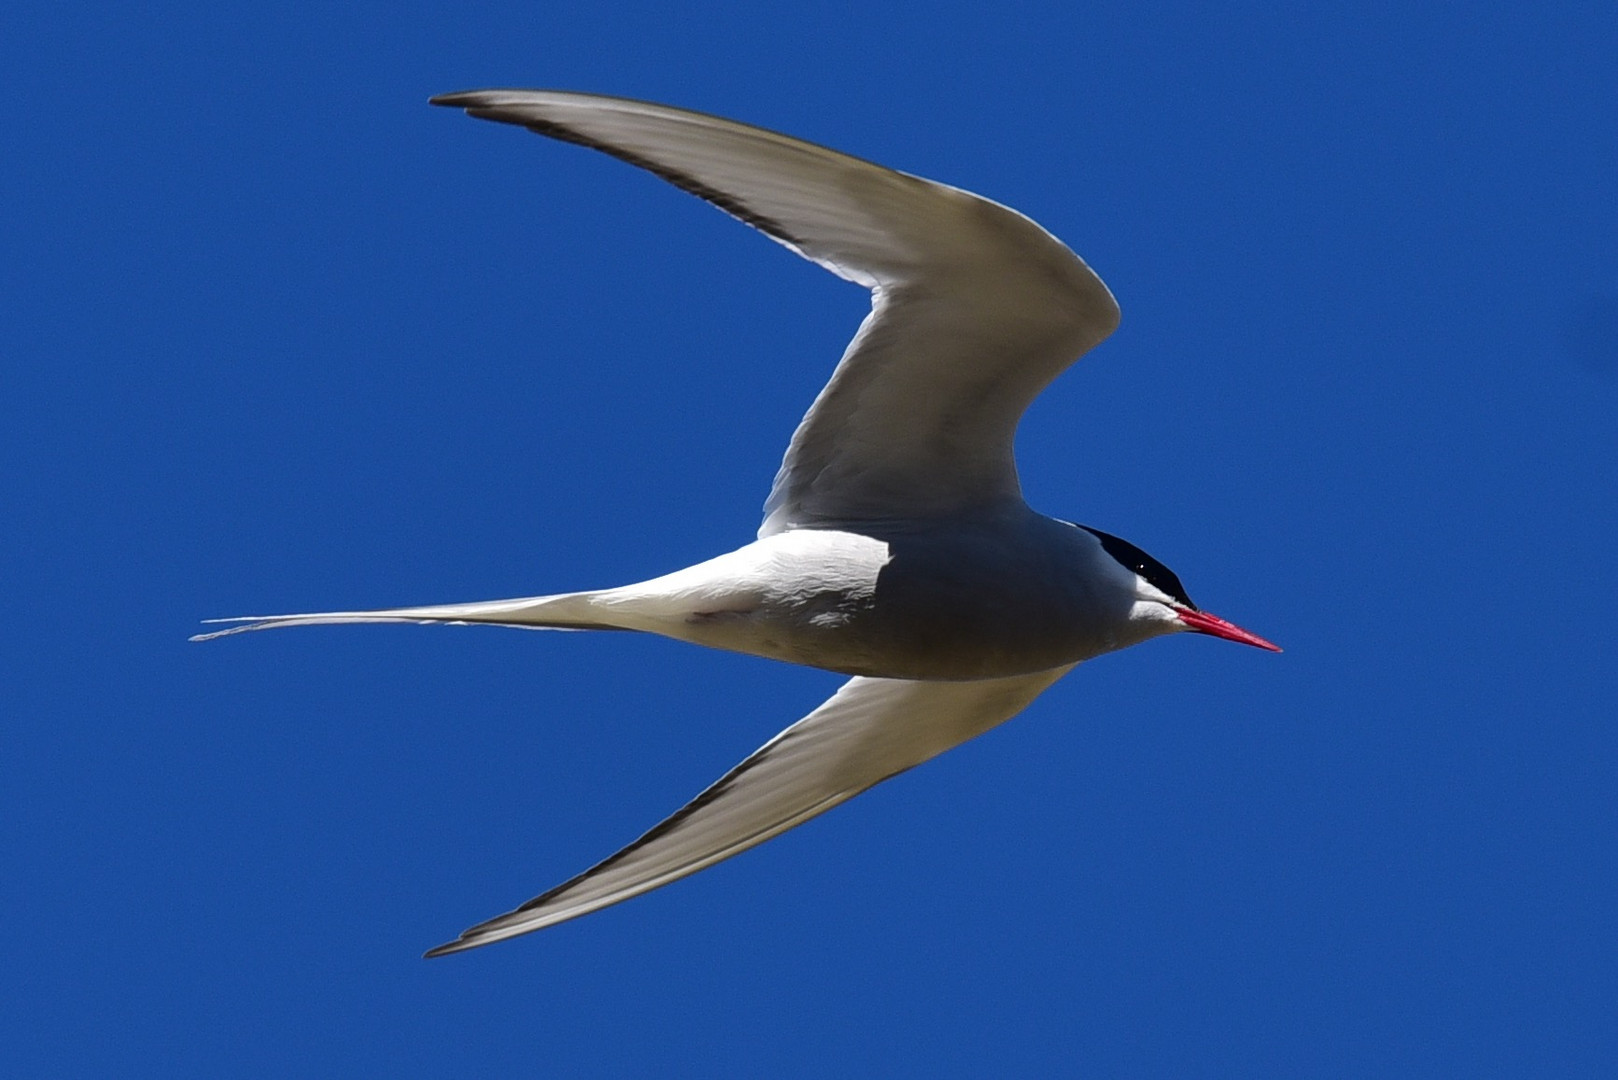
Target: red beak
(1204,623)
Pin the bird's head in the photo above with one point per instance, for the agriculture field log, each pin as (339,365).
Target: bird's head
(1160,604)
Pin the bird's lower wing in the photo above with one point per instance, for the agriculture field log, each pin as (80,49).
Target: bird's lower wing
(869,730)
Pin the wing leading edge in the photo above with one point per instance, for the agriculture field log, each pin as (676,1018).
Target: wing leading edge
(975,308)
(870,730)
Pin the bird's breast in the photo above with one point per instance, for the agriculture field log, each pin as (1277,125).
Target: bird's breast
(975,601)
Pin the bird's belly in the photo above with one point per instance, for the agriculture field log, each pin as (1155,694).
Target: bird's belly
(930,613)
(941,644)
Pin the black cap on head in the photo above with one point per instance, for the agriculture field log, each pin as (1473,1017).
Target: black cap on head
(1133,558)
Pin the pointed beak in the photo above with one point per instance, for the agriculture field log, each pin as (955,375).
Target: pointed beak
(1204,623)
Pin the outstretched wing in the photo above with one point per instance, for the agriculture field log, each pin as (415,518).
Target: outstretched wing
(975,308)
(869,730)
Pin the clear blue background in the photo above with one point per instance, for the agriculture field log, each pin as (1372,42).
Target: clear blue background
(278,336)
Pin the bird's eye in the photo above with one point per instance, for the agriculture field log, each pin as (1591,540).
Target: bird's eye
(1133,558)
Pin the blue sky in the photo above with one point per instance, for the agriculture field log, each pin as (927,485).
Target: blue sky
(278,336)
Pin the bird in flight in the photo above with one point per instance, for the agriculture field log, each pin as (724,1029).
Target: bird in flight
(896,546)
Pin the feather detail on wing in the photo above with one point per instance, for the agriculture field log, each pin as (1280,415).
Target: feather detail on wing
(870,730)
(975,307)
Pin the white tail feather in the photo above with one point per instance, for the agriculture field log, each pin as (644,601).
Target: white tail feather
(565,611)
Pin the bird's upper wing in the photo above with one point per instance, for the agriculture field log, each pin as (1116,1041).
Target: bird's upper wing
(869,730)
(975,308)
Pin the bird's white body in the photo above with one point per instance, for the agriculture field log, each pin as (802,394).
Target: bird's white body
(896,546)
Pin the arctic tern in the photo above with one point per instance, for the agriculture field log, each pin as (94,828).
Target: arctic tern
(896,546)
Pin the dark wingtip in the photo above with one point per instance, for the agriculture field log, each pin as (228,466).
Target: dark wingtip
(475,102)
(460,99)
(444,949)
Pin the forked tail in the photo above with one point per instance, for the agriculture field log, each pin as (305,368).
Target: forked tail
(564,611)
